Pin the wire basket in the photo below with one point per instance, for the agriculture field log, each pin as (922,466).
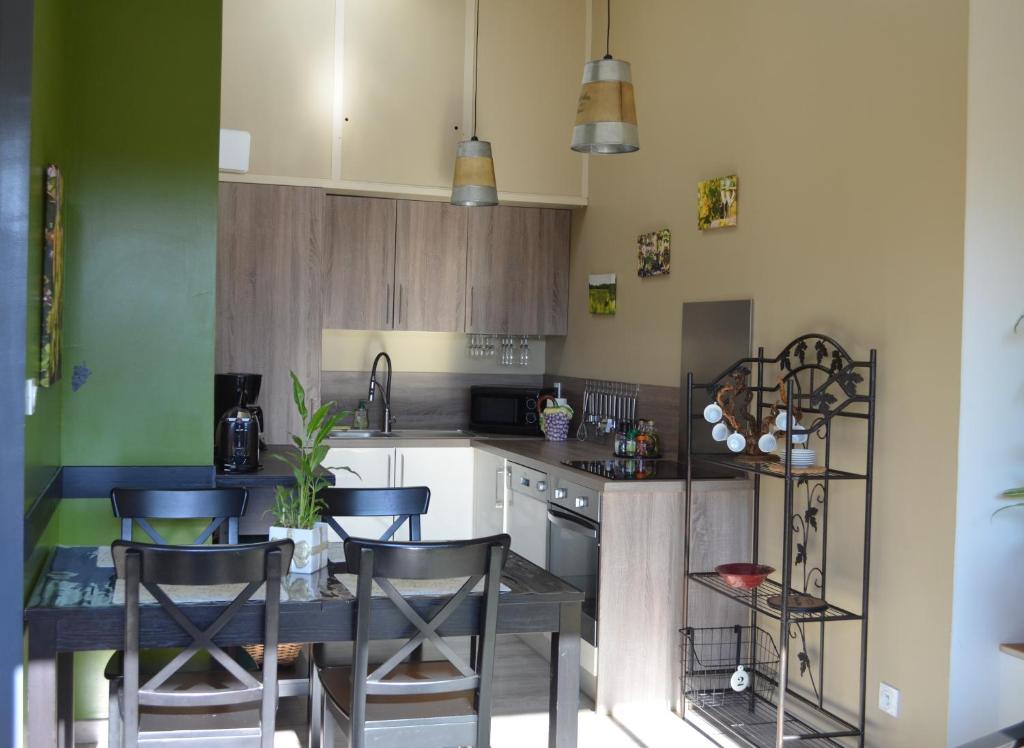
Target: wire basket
(713,659)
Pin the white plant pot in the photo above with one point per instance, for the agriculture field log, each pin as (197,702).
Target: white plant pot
(310,547)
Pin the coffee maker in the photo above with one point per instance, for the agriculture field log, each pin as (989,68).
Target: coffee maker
(238,422)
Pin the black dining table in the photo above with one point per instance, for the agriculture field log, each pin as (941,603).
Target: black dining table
(76,607)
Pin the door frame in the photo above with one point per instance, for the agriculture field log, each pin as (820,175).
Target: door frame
(16,28)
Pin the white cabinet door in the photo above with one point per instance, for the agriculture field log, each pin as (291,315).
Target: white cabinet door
(490,478)
(528,526)
(375,467)
(448,473)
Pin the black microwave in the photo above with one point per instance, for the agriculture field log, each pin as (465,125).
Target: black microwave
(504,410)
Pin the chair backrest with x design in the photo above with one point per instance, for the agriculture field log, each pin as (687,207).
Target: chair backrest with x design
(151,567)
(137,506)
(376,562)
(406,504)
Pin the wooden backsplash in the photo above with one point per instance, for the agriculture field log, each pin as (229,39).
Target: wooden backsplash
(656,403)
(421,400)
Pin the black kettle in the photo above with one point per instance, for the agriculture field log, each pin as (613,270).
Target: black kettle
(238,440)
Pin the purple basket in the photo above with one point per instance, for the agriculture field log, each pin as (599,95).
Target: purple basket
(556,427)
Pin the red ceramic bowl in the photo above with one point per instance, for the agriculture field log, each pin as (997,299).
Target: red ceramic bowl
(744,576)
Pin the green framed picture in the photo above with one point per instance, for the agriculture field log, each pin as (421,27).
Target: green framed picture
(601,293)
(53,279)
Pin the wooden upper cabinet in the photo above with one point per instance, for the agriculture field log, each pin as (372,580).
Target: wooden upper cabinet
(430,267)
(518,271)
(402,96)
(358,263)
(268,293)
(277,82)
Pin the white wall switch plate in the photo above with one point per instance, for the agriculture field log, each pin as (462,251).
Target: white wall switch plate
(31,390)
(889,699)
(234,150)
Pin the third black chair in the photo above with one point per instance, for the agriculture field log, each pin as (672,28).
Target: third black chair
(138,506)
(399,703)
(403,504)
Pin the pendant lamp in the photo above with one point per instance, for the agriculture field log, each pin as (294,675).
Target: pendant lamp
(606,113)
(473,184)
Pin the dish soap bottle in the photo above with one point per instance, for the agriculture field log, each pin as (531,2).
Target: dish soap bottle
(359,420)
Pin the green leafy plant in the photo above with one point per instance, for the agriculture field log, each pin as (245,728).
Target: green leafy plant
(299,506)
(1013,493)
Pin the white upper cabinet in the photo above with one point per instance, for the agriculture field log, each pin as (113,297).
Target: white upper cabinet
(277,82)
(401,100)
(371,96)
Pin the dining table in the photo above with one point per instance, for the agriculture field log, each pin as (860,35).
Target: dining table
(77,605)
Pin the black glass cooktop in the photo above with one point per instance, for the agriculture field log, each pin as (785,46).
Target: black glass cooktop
(626,468)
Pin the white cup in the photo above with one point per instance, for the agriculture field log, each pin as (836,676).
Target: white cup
(713,413)
(736,442)
(767,443)
(799,438)
(780,421)
(720,432)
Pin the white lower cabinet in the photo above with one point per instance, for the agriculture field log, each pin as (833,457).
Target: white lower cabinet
(375,468)
(490,481)
(446,471)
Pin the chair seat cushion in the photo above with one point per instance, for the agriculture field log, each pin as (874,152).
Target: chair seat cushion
(455,706)
(152,660)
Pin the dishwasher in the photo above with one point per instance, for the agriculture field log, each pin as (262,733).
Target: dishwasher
(526,516)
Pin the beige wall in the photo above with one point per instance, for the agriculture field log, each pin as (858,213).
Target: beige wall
(986,690)
(846,125)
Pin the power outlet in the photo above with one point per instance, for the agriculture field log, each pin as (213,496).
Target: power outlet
(889,699)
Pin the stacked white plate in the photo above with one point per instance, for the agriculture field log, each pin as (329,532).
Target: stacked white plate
(801,457)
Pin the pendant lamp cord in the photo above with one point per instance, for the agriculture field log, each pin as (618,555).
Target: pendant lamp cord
(476,65)
(607,34)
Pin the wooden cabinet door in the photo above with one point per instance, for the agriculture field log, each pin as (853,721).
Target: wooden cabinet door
(359,263)
(448,473)
(402,90)
(277,82)
(268,293)
(430,267)
(490,479)
(518,270)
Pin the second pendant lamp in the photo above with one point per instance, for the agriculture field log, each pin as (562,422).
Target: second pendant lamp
(606,113)
(473,184)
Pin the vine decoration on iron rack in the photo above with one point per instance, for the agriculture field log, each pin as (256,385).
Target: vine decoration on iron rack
(839,379)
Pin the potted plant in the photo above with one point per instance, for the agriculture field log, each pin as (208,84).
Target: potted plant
(297,508)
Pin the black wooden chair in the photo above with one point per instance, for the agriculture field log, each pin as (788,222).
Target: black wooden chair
(137,506)
(404,504)
(217,694)
(400,703)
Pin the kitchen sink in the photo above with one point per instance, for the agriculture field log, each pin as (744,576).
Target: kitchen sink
(403,434)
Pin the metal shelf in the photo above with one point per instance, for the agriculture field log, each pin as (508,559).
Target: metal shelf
(757,599)
(754,721)
(748,465)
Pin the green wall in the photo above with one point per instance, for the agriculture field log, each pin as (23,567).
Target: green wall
(144,99)
(126,98)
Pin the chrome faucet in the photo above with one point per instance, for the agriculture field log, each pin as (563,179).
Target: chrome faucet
(385,389)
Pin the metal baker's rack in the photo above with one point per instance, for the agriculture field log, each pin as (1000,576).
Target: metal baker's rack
(816,376)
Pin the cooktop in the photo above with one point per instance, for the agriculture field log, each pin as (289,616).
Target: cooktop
(626,468)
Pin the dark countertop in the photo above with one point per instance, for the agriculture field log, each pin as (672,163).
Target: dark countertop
(274,471)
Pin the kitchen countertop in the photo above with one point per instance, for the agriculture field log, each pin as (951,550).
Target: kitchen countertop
(540,454)
(274,471)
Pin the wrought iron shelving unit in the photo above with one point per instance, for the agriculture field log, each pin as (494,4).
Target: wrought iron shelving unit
(818,377)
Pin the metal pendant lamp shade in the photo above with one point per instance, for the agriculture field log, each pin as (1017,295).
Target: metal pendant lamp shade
(473,185)
(606,113)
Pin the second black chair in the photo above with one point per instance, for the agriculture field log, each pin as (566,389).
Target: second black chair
(405,504)
(138,506)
